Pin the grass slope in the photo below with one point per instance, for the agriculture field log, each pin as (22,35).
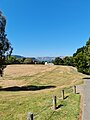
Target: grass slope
(29,88)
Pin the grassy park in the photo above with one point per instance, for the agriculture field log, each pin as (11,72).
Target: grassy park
(36,65)
(29,88)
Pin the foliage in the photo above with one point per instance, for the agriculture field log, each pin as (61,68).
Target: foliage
(28,61)
(5,47)
(79,50)
(11,60)
(20,60)
(68,61)
(88,42)
(58,61)
(82,58)
(15,60)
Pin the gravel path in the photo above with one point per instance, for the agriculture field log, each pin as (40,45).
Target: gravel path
(86,104)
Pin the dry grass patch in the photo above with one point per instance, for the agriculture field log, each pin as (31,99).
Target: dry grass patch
(26,70)
(21,75)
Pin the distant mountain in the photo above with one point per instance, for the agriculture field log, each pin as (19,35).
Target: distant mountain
(18,56)
(48,59)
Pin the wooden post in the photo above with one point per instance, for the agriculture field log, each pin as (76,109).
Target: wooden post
(62,93)
(54,102)
(30,116)
(74,89)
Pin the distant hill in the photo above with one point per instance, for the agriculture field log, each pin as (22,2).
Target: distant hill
(18,56)
(48,59)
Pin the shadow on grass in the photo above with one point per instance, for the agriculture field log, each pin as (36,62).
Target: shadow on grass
(26,88)
(59,106)
(86,78)
(66,97)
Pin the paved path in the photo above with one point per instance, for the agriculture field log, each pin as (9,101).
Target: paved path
(86,106)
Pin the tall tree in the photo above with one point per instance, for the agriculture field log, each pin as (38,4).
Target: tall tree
(58,61)
(82,58)
(5,46)
(68,60)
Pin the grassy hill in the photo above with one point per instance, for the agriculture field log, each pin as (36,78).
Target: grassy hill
(29,88)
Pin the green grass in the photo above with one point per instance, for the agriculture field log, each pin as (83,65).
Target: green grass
(14,105)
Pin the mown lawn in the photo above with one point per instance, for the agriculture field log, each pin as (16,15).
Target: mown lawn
(16,105)
(23,93)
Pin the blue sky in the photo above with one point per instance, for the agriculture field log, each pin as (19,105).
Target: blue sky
(46,27)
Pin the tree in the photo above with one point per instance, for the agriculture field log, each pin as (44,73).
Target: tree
(79,50)
(68,61)
(28,61)
(20,60)
(81,58)
(58,61)
(88,42)
(5,46)
(11,60)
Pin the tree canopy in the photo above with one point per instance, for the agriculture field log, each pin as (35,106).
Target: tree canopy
(5,46)
(80,59)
